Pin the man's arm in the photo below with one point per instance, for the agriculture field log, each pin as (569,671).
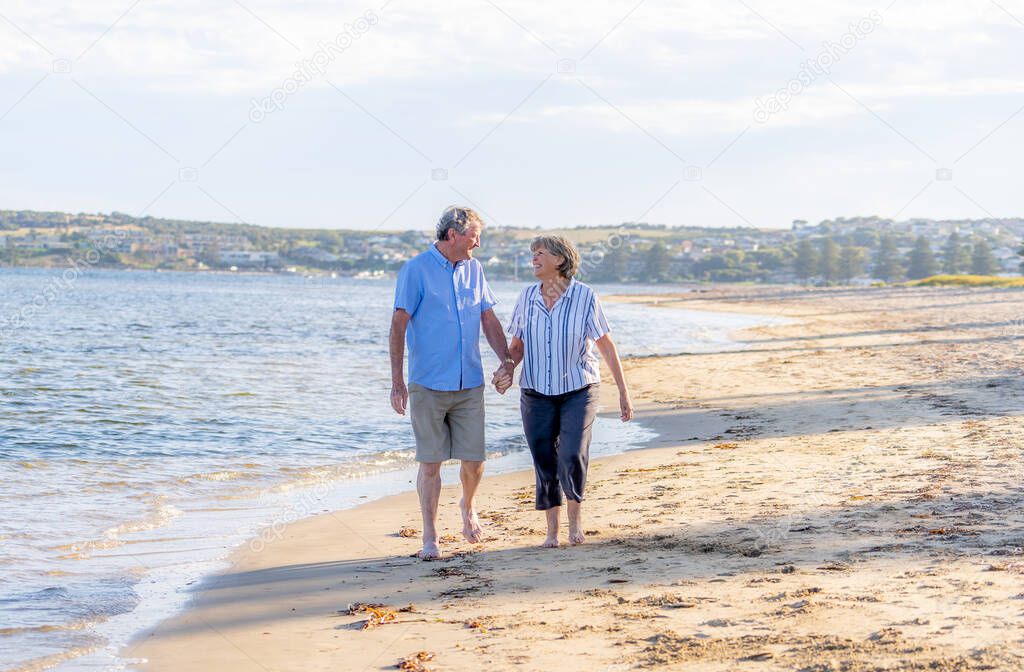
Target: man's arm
(496,338)
(399,392)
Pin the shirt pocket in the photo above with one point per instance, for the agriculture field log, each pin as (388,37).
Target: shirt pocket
(470,300)
(439,303)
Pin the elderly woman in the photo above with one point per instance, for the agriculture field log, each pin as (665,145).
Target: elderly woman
(554,327)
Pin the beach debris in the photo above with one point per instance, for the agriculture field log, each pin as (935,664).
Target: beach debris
(475,624)
(448,539)
(448,572)
(414,663)
(408,532)
(639,470)
(377,614)
(726,446)
(523,495)
(764,655)
(835,567)
(464,591)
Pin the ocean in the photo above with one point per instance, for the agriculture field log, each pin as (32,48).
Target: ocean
(150,423)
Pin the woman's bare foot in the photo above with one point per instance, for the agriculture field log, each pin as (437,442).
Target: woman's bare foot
(550,542)
(471,529)
(430,551)
(576,536)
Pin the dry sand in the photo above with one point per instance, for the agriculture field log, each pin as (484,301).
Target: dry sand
(843,494)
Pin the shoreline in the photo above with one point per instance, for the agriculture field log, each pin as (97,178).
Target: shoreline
(170,562)
(841,494)
(241,557)
(504,483)
(241,554)
(165,592)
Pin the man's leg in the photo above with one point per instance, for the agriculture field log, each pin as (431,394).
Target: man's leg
(433,446)
(466,423)
(428,486)
(470,474)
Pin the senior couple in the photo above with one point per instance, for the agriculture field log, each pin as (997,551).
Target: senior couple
(442,301)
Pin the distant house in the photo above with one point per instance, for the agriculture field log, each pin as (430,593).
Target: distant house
(38,242)
(247,258)
(314,254)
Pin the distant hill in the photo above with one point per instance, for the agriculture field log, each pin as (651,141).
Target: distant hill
(844,250)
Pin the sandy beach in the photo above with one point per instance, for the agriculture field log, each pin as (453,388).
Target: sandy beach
(842,494)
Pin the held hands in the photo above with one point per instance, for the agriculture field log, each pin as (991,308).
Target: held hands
(502,378)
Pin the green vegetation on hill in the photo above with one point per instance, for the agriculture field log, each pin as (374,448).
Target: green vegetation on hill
(967,281)
(859,250)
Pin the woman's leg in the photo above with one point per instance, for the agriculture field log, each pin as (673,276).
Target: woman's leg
(577,415)
(540,425)
(551,518)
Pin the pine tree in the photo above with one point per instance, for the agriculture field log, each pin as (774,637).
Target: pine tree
(828,262)
(887,265)
(657,263)
(920,261)
(982,261)
(954,255)
(614,267)
(806,261)
(851,262)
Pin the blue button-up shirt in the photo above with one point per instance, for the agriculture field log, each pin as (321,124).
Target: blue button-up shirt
(558,344)
(445,303)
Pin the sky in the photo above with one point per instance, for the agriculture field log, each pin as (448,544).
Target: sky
(377,115)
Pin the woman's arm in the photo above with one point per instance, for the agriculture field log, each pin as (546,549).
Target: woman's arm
(610,354)
(516,350)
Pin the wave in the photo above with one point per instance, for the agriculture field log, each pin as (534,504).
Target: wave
(161,514)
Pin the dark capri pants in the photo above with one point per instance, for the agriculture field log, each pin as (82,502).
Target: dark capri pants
(557,429)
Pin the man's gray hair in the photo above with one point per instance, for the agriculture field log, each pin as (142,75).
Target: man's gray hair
(458,218)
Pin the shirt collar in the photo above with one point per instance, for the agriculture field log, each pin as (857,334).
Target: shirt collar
(537,297)
(441,259)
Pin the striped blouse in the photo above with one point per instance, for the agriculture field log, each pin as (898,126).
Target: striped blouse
(559,344)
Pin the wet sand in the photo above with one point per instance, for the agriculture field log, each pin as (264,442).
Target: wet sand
(843,494)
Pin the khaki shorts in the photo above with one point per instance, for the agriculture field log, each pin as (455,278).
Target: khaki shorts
(447,425)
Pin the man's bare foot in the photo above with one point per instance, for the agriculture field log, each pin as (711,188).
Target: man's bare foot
(550,542)
(430,551)
(471,529)
(576,537)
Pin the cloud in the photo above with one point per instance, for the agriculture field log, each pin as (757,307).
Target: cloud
(248,45)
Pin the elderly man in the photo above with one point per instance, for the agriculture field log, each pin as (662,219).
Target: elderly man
(441,301)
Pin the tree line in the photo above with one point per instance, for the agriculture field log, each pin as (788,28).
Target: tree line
(834,263)
(823,260)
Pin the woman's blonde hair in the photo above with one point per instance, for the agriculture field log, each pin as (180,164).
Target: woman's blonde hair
(560,247)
